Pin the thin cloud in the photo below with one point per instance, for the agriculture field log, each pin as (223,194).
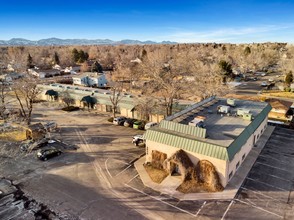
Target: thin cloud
(223,35)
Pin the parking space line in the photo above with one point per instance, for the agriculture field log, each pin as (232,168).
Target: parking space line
(272,158)
(273,167)
(132,179)
(257,207)
(124,170)
(267,184)
(106,167)
(257,192)
(153,197)
(200,208)
(229,206)
(277,177)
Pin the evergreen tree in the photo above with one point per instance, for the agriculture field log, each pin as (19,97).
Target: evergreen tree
(96,67)
(81,56)
(56,58)
(75,55)
(30,61)
(247,51)
(226,68)
(289,78)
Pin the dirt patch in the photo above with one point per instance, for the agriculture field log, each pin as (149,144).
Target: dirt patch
(156,175)
(18,135)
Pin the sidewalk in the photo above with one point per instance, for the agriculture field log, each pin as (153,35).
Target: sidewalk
(170,184)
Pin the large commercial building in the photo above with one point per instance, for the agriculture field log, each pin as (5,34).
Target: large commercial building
(218,130)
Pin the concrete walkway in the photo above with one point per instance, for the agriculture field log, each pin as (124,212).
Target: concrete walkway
(170,184)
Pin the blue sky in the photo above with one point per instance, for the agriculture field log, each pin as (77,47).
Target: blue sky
(185,21)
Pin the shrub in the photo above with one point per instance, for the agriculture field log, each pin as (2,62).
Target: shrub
(70,108)
(110,119)
(287,89)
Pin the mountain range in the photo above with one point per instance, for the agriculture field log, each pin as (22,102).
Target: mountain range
(57,41)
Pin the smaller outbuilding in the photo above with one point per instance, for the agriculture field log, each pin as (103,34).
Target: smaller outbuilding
(36,131)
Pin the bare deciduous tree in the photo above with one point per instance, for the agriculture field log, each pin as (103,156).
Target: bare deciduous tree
(3,94)
(145,106)
(165,78)
(66,98)
(115,98)
(26,93)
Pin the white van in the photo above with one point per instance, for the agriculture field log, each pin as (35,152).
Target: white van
(150,125)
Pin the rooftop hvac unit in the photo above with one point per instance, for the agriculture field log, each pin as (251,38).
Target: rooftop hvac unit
(223,109)
(231,102)
(198,122)
(247,116)
(242,111)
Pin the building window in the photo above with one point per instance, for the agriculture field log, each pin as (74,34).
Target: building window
(231,174)
(237,165)
(257,137)
(261,131)
(243,157)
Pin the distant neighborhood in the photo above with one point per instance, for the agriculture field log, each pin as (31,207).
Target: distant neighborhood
(148,119)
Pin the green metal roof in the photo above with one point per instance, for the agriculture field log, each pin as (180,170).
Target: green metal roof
(236,145)
(89,99)
(185,129)
(173,135)
(188,144)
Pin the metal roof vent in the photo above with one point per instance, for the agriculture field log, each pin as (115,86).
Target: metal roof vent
(231,102)
(242,111)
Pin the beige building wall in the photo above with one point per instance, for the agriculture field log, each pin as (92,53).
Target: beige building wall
(156,118)
(126,112)
(220,165)
(238,158)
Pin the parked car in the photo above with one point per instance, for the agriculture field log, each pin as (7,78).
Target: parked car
(138,139)
(50,126)
(139,125)
(264,84)
(150,125)
(45,154)
(119,120)
(129,122)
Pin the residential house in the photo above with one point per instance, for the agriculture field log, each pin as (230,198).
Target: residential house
(9,77)
(43,73)
(90,79)
(72,69)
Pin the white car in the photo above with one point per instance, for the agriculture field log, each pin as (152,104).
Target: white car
(150,125)
(137,139)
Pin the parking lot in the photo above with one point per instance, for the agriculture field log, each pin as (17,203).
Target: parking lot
(252,86)
(99,181)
